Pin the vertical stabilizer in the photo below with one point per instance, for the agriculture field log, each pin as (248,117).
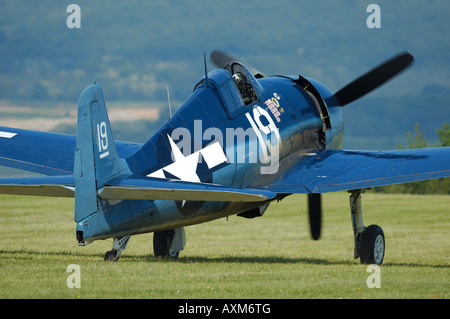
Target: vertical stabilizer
(96,158)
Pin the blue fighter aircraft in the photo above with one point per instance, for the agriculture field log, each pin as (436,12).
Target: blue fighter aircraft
(240,141)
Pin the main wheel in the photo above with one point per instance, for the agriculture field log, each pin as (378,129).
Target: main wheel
(372,245)
(162,240)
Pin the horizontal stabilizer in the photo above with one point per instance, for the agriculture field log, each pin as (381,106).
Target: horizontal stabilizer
(147,188)
(56,186)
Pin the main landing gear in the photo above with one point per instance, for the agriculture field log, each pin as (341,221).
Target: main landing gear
(169,243)
(369,241)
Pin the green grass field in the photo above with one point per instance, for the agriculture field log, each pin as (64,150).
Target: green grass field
(268,257)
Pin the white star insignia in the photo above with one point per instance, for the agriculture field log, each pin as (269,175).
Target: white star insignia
(185,167)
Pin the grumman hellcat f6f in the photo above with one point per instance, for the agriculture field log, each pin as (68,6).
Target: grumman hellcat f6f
(240,142)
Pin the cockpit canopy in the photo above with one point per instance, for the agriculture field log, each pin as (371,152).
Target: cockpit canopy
(236,85)
(247,84)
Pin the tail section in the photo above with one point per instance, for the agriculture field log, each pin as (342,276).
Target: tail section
(96,158)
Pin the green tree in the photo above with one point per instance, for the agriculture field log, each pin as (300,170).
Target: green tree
(444,134)
(416,141)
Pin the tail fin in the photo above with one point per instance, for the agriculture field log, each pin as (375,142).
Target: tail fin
(96,158)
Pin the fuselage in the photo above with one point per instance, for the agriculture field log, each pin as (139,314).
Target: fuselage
(222,136)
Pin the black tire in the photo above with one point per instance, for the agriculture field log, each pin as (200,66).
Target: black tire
(372,245)
(111,255)
(162,240)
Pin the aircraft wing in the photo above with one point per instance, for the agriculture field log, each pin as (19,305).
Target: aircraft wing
(336,170)
(45,153)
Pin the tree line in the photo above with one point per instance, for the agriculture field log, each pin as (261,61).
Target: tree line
(433,186)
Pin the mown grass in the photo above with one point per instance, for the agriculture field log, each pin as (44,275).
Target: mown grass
(268,257)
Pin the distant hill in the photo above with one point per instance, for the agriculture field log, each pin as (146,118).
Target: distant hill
(135,49)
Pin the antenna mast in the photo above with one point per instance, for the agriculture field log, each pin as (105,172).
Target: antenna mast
(206,70)
(170,108)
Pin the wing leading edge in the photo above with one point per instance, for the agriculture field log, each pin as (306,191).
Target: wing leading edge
(338,170)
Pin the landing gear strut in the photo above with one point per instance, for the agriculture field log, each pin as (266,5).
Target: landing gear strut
(119,245)
(369,241)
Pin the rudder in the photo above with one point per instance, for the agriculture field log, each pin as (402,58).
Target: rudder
(96,157)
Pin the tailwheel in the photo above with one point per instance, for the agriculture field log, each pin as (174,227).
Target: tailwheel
(372,245)
(111,255)
(119,245)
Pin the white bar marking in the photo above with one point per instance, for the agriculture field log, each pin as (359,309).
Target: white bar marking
(104,154)
(213,155)
(7,134)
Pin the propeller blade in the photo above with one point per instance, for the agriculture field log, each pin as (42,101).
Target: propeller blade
(315,214)
(220,59)
(374,78)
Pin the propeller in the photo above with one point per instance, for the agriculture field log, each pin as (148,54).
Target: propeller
(374,78)
(315,214)
(220,59)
